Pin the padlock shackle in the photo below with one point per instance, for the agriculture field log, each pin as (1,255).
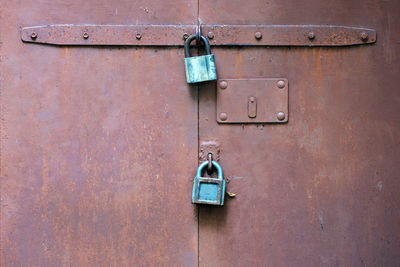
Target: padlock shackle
(215,164)
(191,38)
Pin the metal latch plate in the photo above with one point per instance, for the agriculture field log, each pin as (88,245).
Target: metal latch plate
(252,100)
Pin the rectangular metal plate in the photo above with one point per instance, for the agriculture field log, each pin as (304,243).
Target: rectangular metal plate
(271,99)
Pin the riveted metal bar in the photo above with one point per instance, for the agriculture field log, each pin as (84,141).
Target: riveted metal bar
(138,35)
(218,35)
(288,35)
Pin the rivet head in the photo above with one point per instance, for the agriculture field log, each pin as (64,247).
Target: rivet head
(85,35)
(223,85)
(33,35)
(223,116)
(280,83)
(185,36)
(311,35)
(364,36)
(280,116)
(210,35)
(138,36)
(258,35)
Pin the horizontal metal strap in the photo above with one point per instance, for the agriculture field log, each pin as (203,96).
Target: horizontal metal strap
(288,35)
(138,35)
(218,35)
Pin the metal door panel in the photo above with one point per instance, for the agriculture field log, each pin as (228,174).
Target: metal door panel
(98,143)
(320,190)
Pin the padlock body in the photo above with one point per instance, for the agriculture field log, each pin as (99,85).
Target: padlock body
(208,191)
(200,69)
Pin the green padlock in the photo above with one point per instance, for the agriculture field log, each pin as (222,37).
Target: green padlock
(208,190)
(201,68)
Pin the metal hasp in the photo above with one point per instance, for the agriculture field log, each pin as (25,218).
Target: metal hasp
(252,100)
(201,68)
(207,147)
(219,35)
(208,190)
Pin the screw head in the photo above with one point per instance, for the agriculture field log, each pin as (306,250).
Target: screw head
(85,35)
(280,83)
(280,115)
(223,116)
(223,85)
(33,35)
(258,35)
(364,36)
(185,36)
(138,36)
(311,35)
(210,35)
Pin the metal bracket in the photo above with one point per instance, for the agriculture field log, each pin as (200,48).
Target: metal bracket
(207,147)
(218,35)
(252,100)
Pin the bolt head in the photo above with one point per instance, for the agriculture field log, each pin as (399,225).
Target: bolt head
(210,35)
(311,35)
(364,36)
(33,35)
(258,35)
(223,116)
(138,36)
(280,115)
(223,85)
(185,36)
(280,83)
(85,35)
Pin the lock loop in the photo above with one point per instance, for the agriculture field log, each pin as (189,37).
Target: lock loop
(215,164)
(191,38)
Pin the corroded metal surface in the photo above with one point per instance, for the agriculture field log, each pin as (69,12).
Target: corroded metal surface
(173,35)
(322,189)
(269,96)
(207,147)
(288,35)
(140,35)
(97,155)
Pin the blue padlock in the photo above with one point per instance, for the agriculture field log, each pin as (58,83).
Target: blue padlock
(201,68)
(208,190)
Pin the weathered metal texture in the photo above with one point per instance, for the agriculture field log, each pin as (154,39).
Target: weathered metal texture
(269,96)
(207,147)
(173,35)
(288,35)
(141,35)
(97,155)
(322,189)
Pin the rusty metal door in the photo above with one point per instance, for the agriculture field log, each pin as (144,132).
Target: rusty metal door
(98,142)
(100,133)
(323,188)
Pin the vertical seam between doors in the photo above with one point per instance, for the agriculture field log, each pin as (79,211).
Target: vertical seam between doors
(198,145)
